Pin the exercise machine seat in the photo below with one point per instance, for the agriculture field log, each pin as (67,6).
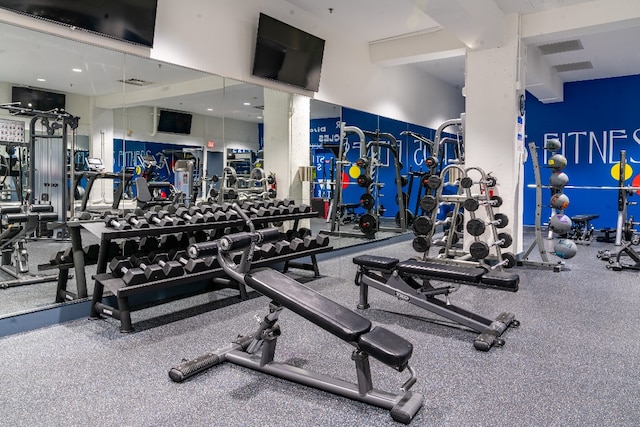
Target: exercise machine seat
(387,347)
(584,217)
(376,262)
(329,315)
(501,280)
(143,195)
(442,271)
(380,343)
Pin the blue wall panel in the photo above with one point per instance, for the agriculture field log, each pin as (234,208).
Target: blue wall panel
(597,119)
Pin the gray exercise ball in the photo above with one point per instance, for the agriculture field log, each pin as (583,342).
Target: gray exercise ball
(565,248)
(560,201)
(558,179)
(557,162)
(552,145)
(560,223)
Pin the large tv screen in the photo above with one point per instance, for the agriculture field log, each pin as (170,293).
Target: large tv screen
(174,122)
(37,99)
(287,54)
(130,20)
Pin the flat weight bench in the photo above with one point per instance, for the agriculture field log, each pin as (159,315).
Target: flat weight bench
(410,281)
(380,343)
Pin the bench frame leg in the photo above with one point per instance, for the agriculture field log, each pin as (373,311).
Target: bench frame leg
(403,406)
(397,287)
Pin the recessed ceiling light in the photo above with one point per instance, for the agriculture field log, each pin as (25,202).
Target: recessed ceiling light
(209,109)
(76,70)
(41,80)
(259,117)
(247,103)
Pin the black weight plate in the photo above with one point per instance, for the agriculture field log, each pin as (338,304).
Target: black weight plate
(502,219)
(506,238)
(475,227)
(420,243)
(479,250)
(496,201)
(422,225)
(434,182)
(368,224)
(428,203)
(466,182)
(364,181)
(471,205)
(367,201)
(424,179)
(509,260)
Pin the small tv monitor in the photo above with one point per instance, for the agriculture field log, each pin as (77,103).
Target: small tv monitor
(287,54)
(37,99)
(174,122)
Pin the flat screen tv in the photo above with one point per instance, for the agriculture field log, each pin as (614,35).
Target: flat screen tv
(287,54)
(130,20)
(174,122)
(37,99)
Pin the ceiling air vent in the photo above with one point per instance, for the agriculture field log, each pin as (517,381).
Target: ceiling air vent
(576,66)
(135,82)
(558,47)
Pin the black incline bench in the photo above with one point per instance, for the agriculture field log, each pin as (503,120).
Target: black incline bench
(410,281)
(257,351)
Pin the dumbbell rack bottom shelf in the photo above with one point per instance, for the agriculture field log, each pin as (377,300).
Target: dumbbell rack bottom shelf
(122,293)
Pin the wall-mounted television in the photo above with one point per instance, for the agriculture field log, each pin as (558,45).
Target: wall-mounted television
(174,122)
(37,99)
(287,54)
(129,20)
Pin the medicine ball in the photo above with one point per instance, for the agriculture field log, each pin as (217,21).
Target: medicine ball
(558,179)
(557,162)
(565,249)
(552,145)
(560,223)
(559,201)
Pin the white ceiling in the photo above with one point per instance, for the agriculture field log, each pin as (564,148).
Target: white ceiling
(609,42)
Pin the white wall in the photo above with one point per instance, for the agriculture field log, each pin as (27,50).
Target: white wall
(218,36)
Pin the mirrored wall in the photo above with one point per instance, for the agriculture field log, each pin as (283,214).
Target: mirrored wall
(117,100)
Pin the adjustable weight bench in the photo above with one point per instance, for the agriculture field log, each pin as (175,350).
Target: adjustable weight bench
(257,351)
(410,281)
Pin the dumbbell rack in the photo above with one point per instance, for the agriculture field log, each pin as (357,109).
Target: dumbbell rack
(122,309)
(449,255)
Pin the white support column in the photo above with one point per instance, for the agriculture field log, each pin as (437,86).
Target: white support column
(494,83)
(286,142)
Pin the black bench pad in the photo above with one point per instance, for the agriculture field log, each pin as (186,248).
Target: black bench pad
(501,280)
(329,315)
(376,262)
(442,271)
(584,218)
(387,347)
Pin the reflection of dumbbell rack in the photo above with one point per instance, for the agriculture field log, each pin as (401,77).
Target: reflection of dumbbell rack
(198,274)
(228,185)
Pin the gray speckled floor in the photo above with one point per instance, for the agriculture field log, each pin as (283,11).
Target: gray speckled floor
(573,361)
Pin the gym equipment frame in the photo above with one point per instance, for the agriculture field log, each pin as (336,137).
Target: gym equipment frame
(410,281)
(285,292)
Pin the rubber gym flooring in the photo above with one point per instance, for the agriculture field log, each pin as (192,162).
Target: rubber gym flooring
(572,362)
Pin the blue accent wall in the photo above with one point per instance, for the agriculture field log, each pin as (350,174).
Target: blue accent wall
(597,119)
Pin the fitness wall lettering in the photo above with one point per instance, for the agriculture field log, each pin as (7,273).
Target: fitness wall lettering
(597,120)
